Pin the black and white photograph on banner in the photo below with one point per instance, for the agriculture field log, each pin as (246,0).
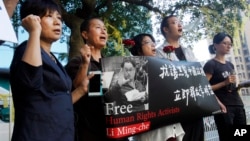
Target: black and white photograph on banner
(128,86)
(145,93)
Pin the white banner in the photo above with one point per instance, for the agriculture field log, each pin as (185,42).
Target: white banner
(6,29)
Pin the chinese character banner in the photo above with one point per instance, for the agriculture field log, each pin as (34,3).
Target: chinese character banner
(145,93)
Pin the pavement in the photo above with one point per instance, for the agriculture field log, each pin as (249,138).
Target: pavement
(5,131)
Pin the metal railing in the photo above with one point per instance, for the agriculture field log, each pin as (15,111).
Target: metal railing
(210,129)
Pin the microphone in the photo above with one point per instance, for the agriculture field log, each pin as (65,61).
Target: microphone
(231,86)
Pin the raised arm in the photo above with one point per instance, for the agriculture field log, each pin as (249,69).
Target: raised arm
(81,80)
(32,54)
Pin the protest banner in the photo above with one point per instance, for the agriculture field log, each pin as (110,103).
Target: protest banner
(174,91)
(7,32)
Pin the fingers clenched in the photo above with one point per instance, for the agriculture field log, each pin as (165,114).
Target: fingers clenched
(32,23)
(85,53)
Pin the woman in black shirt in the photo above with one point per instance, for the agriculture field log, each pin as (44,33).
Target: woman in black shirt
(219,73)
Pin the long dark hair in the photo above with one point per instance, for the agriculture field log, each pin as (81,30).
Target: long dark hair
(218,38)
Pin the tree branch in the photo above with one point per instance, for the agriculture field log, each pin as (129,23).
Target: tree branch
(10,6)
(144,3)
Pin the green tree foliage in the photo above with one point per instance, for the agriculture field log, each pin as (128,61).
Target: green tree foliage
(125,18)
(122,19)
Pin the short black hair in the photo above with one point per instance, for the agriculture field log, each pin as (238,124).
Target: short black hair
(164,23)
(38,7)
(86,23)
(136,50)
(218,38)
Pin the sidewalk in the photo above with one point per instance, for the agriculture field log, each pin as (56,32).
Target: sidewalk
(5,129)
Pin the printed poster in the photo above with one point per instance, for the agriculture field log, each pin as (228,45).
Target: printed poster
(153,93)
(7,32)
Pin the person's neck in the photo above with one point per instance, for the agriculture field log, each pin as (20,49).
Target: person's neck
(175,43)
(220,58)
(96,54)
(46,47)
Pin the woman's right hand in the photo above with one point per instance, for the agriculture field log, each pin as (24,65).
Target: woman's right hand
(82,76)
(32,23)
(86,53)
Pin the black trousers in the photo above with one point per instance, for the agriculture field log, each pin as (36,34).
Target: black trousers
(194,130)
(235,116)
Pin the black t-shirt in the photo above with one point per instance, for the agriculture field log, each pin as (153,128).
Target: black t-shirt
(89,111)
(220,72)
(179,53)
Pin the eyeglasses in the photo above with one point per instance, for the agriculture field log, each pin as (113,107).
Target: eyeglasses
(227,44)
(148,43)
(176,22)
